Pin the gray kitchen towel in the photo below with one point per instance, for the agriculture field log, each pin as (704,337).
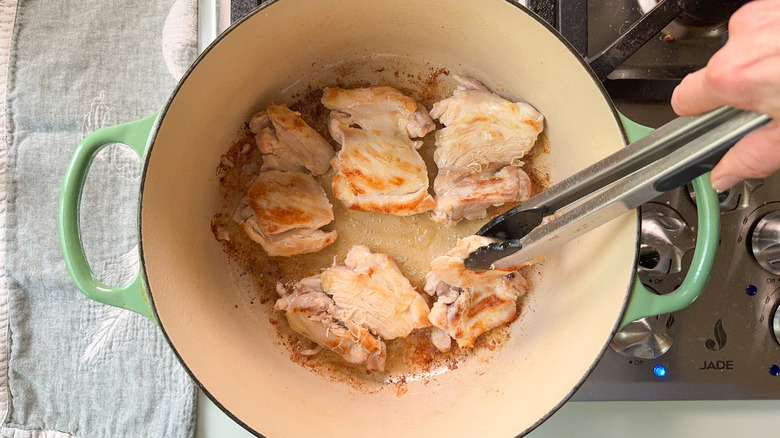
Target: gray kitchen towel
(70,366)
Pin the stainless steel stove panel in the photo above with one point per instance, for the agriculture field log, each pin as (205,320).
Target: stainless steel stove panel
(723,345)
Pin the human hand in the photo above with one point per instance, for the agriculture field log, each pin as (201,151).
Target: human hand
(744,73)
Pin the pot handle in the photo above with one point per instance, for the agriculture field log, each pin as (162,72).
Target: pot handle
(131,296)
(642,302)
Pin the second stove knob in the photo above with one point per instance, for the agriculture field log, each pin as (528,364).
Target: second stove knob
(765,242)
(776,324)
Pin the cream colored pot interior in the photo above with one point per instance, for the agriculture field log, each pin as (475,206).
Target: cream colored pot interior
(204,306)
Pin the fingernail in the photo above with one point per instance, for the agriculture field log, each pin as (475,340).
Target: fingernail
(724,182)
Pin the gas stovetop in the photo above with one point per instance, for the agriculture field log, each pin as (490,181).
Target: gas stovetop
(725,345)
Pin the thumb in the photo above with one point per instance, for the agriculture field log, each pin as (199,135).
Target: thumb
(757,155)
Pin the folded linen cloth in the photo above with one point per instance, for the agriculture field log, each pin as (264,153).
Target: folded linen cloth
(70,366)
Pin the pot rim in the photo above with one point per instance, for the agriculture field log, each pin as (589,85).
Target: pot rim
(150,147)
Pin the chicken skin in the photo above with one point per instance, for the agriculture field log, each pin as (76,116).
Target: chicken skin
(283,212)
(483,135)
(378,167)
(470,303)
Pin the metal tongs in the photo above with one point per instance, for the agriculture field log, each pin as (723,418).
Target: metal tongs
(667,158)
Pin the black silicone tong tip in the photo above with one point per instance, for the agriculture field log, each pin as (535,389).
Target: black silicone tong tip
(483,258)
(514,224)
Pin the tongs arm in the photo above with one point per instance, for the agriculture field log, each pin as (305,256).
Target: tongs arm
(667,158)
(633,157)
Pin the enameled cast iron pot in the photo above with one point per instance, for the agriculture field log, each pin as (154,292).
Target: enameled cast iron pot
(187,287)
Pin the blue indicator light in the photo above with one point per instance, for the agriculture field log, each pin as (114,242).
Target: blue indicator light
(774,370)
(660,371)
(751,290)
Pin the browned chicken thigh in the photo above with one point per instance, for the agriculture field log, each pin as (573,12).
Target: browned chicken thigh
(376,294)
(465,194)
(291,145)
(470,303)
(378,167)
(286,206)
(479,152)
(367,300)
(313,313)
(283,212)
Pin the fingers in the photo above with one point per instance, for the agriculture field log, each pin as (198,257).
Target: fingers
(755,156)
(694,95)
(742,74)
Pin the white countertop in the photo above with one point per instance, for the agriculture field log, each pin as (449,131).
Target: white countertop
(677,419)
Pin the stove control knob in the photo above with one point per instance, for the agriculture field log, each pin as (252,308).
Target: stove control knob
(765,242)
(645,338)
(665,240)
(776,324)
